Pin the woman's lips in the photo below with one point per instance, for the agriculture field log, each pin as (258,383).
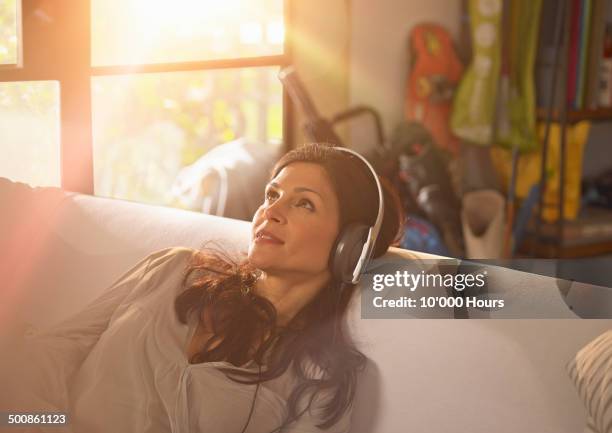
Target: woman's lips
(267,238)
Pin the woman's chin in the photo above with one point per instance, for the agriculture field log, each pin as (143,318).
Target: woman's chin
(262,259)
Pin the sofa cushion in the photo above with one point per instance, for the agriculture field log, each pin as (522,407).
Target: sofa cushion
(591,373)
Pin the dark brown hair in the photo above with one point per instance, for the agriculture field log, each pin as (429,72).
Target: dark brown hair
(244,323)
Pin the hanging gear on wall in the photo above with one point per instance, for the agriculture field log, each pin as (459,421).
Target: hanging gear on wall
(435,71)
(516,122)
(473,113)
(425,183)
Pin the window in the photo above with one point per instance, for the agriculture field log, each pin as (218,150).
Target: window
(8,32)
(148,127)
(158,31)
(126,110)
(29,121)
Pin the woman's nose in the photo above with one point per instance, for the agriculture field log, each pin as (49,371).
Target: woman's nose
(275,211)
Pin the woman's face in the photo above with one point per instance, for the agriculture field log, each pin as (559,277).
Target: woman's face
(294,229)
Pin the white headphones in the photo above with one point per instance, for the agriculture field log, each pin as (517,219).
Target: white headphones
(354,245)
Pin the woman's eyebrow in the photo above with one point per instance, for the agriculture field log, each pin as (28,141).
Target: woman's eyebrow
(297,189)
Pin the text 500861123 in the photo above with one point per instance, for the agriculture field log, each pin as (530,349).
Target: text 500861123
(8,419)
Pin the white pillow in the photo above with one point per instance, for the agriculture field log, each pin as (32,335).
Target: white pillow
(591,373)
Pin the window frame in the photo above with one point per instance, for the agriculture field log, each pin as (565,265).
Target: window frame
(55,45)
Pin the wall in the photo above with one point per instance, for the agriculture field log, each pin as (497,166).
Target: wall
(378,62)
(320,44)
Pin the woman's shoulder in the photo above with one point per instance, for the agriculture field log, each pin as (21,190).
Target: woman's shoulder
(172,253)
(160,266)
(176,257)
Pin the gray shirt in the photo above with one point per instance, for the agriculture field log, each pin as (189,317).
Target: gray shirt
(120,365)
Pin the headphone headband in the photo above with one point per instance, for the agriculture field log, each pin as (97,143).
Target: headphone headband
(368,247)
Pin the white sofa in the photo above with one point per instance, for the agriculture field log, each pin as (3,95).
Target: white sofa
(60,250)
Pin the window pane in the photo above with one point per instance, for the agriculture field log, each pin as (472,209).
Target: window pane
(8,32)
(147,127)
(29,132)
(159,31)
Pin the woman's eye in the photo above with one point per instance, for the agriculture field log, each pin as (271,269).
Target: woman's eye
(270,195)
(306,204)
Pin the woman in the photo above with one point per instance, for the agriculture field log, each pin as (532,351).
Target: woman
(192,340)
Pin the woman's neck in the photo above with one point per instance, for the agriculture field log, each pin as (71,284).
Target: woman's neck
(289,293)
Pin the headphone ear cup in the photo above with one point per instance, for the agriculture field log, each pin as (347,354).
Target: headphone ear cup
(346,251)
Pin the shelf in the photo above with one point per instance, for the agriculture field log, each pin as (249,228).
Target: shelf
(588,235)
(599,114)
